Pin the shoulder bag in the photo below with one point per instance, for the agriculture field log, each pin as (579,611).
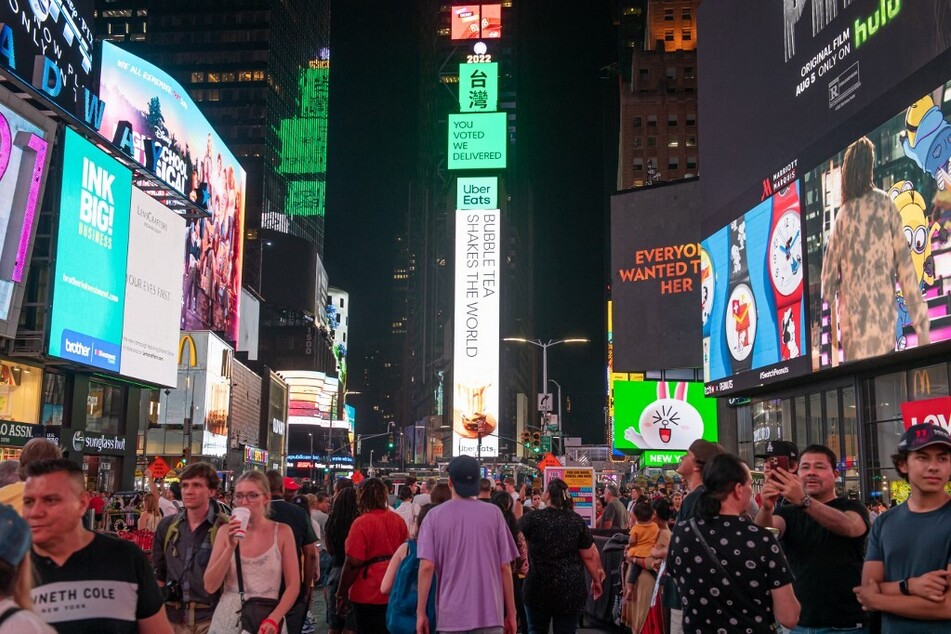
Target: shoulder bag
(253,609)
(712,554)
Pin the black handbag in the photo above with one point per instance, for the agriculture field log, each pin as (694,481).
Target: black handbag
(253,609)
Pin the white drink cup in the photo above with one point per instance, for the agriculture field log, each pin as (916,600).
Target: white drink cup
(243,514)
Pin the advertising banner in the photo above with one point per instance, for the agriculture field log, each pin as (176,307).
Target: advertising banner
(153,292)
(479,87)
(818,64)
(89,285)
(477,192)
(661,416)
(934,411)
(24,161)
(476,21)
(477,141)
(151,118)
(476,338)
(752,290)
(580,481)
(49,45)
(656,262)
(880,261)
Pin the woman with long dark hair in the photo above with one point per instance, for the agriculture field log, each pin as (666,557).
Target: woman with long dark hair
(560,548)
(343,512)
(865,254)
(505,502)
(374,537)
(731,573)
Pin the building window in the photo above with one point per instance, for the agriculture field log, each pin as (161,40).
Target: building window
(105,407)
(668,15)
(642,74)
(669,35)
(690,72)
(691,141)
(691,119)
(673,142)
(685,13)
(691,162)
(637,122)
(652,141)
(196,77)
(686,35)
(638,142)
(214,77)
(652,121)
(671,73)
(673,163)
(638,165)
(671,121)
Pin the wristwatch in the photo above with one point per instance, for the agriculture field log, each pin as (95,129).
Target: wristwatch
(903,587)
(784,262)
(741,317)
(806,502)
(707,287)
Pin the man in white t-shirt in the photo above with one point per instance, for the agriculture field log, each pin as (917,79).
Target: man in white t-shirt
(408,509)
(426,487)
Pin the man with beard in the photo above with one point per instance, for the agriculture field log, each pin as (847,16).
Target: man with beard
(823,536)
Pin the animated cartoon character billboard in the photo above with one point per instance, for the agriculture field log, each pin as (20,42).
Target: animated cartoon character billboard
(661,415)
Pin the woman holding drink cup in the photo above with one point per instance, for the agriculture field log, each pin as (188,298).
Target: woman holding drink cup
(267,553)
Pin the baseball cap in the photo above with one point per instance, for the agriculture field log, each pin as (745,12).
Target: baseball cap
(290,485)
(782,448)
(464,473)
(704,451)
(920,436)
(14,536)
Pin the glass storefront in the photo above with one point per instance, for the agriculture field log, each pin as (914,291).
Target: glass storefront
(103,473)
(20,386)
(105,408)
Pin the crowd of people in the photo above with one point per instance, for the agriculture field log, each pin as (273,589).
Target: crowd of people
(472,555)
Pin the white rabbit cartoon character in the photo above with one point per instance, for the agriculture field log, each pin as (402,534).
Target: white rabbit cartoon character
(667,423)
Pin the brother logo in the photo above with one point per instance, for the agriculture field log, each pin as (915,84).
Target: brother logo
(75,347)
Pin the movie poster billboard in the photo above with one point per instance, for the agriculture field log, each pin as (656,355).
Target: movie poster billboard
(880,260)
(752,276)
(661,416)
(89,283)
(151,118)
(49,45)
(24,161)
(475,414)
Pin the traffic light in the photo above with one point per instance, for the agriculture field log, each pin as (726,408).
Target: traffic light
(185,456)
(536,442)
(526,438)
(391,441)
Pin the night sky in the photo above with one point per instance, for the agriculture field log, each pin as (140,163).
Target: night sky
(565,120)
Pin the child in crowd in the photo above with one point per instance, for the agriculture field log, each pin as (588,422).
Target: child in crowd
(643,537)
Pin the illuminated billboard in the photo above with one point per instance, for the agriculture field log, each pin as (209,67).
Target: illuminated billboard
(475,412)
(880,261)
(153,295)
(477,192)
(476,22)
(49,45)
(151,118)
(752,310)
(477,141)
(479,87)
(657,417)
(312,397)
(89,284)
(24,161)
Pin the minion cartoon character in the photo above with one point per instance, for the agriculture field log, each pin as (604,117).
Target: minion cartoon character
(926,140)
(918,232)
(903,320)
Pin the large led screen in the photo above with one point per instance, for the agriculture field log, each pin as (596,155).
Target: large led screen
(880,259)
(751,292)
(655,261)
(151,118)
(89,285)
(476,22)
(24,160)
(49,44)
(661,416)
(475,411)
(779,77)
(153,296)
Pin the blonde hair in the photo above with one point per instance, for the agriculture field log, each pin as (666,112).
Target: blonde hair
(150,503)
(260,480)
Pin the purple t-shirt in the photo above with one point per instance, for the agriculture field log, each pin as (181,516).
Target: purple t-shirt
(467,541)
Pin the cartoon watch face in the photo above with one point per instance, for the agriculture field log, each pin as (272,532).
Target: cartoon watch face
(707,283)
(741,322)
(785,253)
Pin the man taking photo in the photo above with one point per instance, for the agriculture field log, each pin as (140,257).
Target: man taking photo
(181,551)
(823,536)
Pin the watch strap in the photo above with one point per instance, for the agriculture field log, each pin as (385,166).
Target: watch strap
(903,587)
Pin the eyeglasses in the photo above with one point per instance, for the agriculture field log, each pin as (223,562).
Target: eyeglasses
(250,497)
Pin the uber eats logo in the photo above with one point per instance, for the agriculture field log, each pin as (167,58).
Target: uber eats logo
(97,205)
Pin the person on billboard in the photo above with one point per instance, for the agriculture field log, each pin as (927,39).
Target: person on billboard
(865,254)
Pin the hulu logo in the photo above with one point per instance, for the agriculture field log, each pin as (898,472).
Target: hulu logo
(885,13)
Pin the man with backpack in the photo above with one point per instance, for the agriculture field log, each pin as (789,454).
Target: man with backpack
(181,551)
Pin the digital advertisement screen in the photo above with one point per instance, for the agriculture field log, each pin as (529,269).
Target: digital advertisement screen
(752,292)
(24,161)
(476,337)
(151,118)
(880,261)
(479,87)
(153,295)
(89,286)
(477,192)
(661,416)
(49,45)
(476,22)
(655,261)
(478,141)
(818,65)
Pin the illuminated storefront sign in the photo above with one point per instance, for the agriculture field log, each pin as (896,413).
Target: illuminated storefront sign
(255,454)
(477,141)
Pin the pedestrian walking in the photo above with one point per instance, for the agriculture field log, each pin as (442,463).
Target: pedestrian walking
(343,513)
